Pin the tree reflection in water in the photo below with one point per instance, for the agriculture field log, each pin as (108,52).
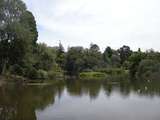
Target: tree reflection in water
(21,102)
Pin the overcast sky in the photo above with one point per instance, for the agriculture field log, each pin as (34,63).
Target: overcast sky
(105,22)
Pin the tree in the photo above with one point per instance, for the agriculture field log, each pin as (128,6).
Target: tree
(60,58)
(94,47)
(28,20)
(45,57)
(134,61)
(17,34)
(108,52)
(148,70)
(10,12)
(93,57)
(74,61)
(107,55)
(115,60)
(124,52)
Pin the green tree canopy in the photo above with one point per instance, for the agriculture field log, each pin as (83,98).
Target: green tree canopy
(124,52)
(18,32)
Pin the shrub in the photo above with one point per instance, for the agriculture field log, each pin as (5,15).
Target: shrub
(17,70)
(148,69)
(42,74)
(31,73)
(55,75)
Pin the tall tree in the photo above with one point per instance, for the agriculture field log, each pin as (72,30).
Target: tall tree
(93,57)
(124,52)
(94,47)
(45,57)
(107,55)
(74,60)
(28,21)
(17,33)
(60,58)
(10,12)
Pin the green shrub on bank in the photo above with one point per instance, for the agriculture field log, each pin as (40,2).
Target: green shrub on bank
(31,73)
(148,69)
(54,75)
(42,74)
(55,72)
(17,70)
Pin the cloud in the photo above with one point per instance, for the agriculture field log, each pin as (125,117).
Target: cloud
(104,22)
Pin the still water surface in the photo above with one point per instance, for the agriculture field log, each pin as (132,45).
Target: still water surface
(81,101)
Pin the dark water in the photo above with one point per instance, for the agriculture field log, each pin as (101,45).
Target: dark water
(81,101)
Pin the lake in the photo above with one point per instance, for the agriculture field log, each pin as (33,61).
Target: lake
(77,100)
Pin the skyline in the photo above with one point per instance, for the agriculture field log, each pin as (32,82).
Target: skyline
(106,23)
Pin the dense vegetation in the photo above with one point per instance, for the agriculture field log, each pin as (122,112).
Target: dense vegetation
(21,55)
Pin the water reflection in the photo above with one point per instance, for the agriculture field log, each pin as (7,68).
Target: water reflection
(22,102)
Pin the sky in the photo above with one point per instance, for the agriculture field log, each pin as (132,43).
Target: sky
(104,22)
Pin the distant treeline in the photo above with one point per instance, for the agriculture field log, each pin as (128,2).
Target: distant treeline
(21,55)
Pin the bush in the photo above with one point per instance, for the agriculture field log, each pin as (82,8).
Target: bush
(17,70)
(148,69)
(55,75)
(31,73)
(55,72)
(42,74)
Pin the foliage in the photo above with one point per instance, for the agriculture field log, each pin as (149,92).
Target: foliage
(79,59)
(56,72)
(10,12)
(20,54)
(134,61)
(28,20)
(74,60)
(60,56)
(107,54)
(124,52)
(31,73)
(93,58)
(144,66)
(41,74)
(148,69)
(44,57)
(16,34)
(16,69)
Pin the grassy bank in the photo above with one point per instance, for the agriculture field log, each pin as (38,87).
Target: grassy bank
(103,74)
(93,76)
